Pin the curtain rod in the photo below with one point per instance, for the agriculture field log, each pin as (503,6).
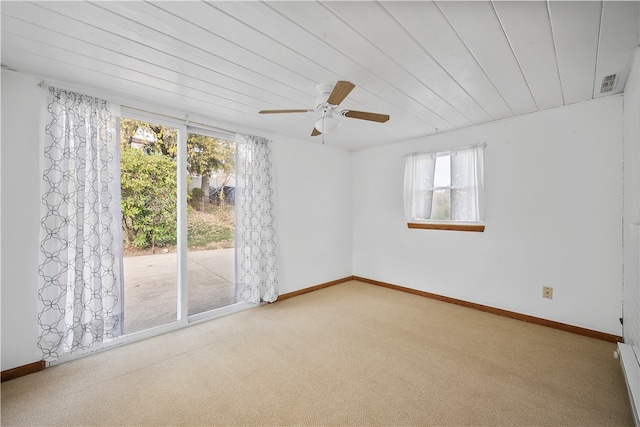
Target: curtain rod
(185,120)
(464,147)
(42,84)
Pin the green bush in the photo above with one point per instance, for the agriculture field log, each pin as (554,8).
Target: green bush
(149,198)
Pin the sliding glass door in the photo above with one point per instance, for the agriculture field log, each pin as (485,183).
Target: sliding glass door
(210,222)
(178,215)
(148,183)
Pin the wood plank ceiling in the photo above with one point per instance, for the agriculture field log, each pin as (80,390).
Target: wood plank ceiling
(432,66)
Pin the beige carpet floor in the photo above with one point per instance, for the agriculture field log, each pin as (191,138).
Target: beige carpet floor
(351,354)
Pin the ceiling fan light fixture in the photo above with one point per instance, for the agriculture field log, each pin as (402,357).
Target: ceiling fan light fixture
(327,123)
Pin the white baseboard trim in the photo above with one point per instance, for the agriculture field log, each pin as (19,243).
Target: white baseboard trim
(631,370)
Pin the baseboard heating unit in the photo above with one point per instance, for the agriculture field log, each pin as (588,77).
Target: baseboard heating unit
(631,370)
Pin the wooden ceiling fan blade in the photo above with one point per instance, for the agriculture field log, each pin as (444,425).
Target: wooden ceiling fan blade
(315,132)
(284,111)
(363,115)
(340,92)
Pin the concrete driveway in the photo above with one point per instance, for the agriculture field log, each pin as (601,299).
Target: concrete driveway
(151,292)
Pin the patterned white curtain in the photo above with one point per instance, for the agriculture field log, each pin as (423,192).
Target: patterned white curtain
(80,274)
(255,224)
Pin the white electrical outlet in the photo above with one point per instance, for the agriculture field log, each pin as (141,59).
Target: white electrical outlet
(547,292)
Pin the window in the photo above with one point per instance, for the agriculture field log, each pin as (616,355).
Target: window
(445,189)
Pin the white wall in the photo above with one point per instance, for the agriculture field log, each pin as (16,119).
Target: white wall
(631,297)
(22,102)
(313,211)
(313,200)
(553,218)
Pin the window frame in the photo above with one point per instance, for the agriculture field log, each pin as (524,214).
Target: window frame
(450,224)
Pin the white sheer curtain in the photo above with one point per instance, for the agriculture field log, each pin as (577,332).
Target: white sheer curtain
(465,193)
(467,184)
(255,224)
(419,174)
(80,273)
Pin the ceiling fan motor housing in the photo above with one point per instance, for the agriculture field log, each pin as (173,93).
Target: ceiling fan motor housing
(324,90)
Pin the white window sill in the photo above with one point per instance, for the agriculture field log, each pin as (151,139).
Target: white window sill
(454,226)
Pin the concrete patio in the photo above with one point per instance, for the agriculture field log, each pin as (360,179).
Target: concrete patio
(151,292)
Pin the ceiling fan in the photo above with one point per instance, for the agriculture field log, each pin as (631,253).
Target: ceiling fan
(327,104)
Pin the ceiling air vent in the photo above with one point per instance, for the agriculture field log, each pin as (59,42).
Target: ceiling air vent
(608,83)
